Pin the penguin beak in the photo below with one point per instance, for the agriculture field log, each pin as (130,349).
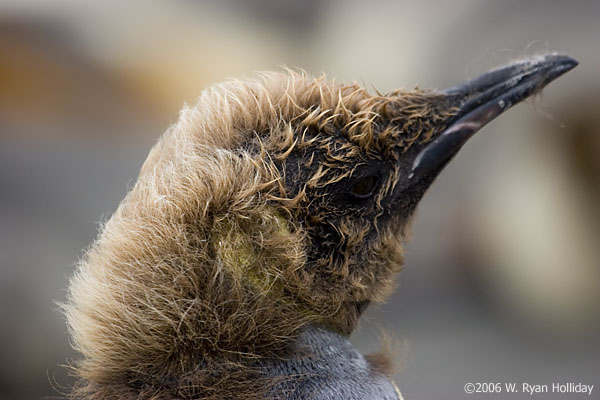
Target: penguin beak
(481,100)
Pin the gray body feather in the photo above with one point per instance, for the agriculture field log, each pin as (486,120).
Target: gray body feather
(326,366)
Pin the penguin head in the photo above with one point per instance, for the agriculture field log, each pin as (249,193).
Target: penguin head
(349,169)
(271,204)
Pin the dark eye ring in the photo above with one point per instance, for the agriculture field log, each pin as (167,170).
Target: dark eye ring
(364,187)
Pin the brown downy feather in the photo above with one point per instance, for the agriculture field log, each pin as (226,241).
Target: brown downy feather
(201,269)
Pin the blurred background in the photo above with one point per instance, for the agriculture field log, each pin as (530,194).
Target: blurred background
(502,280)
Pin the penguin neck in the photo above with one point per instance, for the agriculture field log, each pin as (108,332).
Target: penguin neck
(324,364)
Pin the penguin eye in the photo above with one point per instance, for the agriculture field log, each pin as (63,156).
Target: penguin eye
(365,187)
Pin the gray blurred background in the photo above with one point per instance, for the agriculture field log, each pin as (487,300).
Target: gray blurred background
(502,281)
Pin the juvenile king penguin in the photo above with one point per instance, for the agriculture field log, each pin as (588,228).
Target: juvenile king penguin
(261,226)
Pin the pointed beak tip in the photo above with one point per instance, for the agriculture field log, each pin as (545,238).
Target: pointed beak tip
(561,59)
(556,62)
